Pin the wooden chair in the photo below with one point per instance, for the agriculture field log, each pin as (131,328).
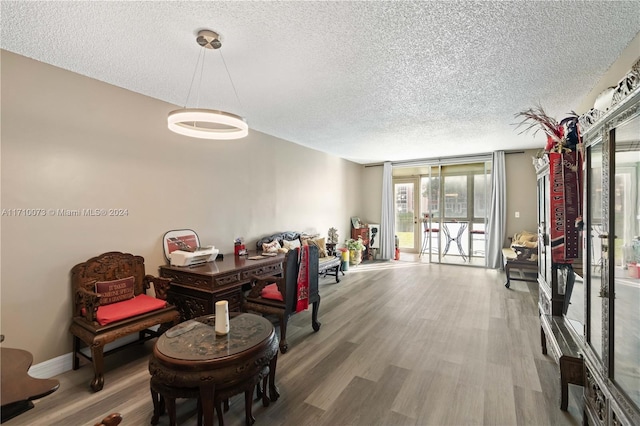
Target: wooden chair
(97,323)
(287,287)
(164,398)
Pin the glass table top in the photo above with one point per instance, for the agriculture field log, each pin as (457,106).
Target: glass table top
(196,339)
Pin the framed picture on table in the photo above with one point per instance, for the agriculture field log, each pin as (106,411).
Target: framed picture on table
(355,222)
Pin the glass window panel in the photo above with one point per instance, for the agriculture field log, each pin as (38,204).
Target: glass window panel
(430,199)
(455,196)
(480,195)
(626,268)
(430,191)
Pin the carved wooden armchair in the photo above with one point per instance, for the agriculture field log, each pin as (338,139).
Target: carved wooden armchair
(281,300)
(110,302)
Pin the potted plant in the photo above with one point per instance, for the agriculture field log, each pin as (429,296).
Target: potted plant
(355,248)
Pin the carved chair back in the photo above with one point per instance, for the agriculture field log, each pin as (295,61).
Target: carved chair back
(280,237)
(291,268)
(108,267)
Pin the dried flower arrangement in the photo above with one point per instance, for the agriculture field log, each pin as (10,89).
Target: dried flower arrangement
(561,136)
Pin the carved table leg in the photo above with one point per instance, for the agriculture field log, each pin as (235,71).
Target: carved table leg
(564,392)
(157,407)
(199,405)
(248,397)
(171,410)
(262,393)
(207,394)
(571,371)
(273,390)
(219,411)
(507,268)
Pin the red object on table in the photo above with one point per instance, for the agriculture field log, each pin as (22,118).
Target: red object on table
(239,249)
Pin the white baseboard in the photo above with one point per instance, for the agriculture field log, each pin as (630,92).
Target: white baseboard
(64,363)
(52,367)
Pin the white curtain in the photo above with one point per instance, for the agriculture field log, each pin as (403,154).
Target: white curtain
(387,224)
(497,212)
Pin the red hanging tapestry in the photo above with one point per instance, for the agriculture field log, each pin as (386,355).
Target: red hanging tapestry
(565,205)
(303,280)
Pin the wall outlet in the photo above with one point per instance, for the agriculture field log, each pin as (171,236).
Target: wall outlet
(517,214)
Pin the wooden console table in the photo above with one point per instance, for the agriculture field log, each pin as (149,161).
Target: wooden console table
(556,338)
(513,260)
(195,290)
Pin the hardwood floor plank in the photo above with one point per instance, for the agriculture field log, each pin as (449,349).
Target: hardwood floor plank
(437,400)
(347,408)
(382,396)
(524,373)
(499,408)
(333,374)
(412,395)
(527,403)
(467,406)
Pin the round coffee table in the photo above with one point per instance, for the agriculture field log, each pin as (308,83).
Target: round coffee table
(191,355)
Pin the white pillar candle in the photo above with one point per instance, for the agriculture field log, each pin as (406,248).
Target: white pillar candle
(222,317)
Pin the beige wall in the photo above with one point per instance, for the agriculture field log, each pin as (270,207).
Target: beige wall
(371,194)
(70,142)
(521,193)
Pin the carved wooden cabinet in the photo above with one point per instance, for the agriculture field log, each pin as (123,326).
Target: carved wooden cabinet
(559,335)
(612,259)
(549,300)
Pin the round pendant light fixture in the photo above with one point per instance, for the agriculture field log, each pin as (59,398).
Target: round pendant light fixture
(208,123)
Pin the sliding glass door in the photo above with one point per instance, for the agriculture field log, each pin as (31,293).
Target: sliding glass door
(465,189)
(441,212)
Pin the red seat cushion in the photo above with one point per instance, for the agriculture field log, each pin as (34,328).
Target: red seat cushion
(140,304)
(271,292)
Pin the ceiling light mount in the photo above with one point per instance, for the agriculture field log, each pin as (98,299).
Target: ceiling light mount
(208,123)
(209,39)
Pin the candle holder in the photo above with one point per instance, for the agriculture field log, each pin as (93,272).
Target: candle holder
(222,317)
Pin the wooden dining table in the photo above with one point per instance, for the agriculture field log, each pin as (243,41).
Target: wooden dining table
(192,355)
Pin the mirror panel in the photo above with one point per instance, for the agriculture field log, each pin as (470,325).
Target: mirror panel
(626,268)
(574,299)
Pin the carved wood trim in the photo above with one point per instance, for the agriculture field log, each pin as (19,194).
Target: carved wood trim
(605,270)
(594,396)
(622,92)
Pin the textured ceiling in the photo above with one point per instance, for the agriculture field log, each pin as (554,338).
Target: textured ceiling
(365,81)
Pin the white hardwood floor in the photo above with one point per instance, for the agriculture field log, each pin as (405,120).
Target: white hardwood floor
(401,343)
